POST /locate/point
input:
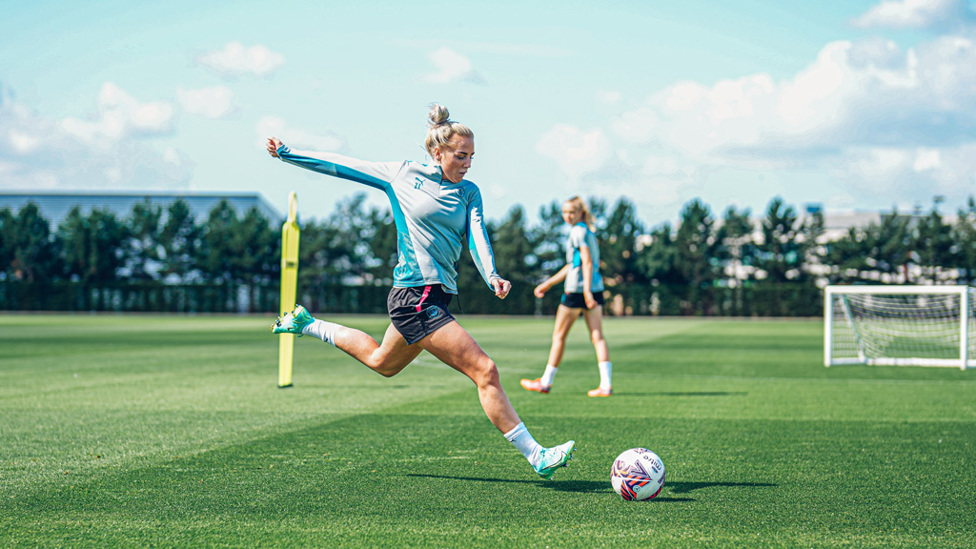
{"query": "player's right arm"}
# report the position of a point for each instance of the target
(374, 174)
(541, 289)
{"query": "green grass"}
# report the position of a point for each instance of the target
(143, 431)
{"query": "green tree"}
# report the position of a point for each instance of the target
(847, 255)
(179, 240)
(735, 250)
(890, 245)
(547, 240)
(256, 249)
(963, 234)
(383, 247)
(31, 249)
(215, 255)
(142, 251)
(7, 239)
(513, 250)
(695, 245)
(618, 244)
(933, 245)
(93, 245)
(657, 261)
(782, 253)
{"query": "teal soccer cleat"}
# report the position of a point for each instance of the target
(551, 459)
(293, 322)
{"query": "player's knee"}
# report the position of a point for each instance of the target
(486, 373)
(387, 371)
(386, 367)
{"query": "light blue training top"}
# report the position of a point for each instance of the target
(581, 236)
(433, 216)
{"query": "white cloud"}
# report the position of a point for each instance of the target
(215, 102)
(112, 150)
(451, 67)
(917, 14)
(853, 94)
(236, 60)
(920, 172)
(637, 126)
(577, 152)
(927, 160)
(609, 97)
(271, 126)
(879, 122)
(120, 116)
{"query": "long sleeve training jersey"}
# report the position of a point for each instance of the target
(433, 216)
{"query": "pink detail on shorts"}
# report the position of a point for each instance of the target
(423, 297)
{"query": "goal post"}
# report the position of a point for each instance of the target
(900, 325)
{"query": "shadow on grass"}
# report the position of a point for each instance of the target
(595, 487)
(685, 487)
(684, 394)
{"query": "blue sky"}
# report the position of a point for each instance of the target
(856, 105)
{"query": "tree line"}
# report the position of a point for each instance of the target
(738, 264)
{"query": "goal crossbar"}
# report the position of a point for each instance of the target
(900, 325)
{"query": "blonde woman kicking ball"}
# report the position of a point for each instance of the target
(435, 210)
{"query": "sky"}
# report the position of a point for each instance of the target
(855, 105)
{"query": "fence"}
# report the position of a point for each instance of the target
(644, 300)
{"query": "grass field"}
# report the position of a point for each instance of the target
(144, 431)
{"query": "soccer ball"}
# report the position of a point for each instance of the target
(637, 474)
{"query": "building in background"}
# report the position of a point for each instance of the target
(55, 206)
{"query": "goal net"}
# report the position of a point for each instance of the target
(900, 325)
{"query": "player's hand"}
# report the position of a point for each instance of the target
(589, 299)
(540, 291)
(502, 287)
(273, 145)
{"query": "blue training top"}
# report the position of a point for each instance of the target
(581, 236)
(433, 215)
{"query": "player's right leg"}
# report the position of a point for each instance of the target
(565, 317)
(292, 322)
(386, 358)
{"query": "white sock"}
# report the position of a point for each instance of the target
(322, 330)
(522, 439)
(546, 378)
(605, 369)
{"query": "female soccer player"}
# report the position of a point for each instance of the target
(583, 293)
(434, 209)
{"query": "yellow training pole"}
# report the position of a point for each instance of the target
(289, 283)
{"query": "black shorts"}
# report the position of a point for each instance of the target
(419, 311)
(576, 301)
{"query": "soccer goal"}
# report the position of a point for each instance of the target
(899, 325)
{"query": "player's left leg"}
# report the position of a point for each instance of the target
(454, 346)
(594, 321)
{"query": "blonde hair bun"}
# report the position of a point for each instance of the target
(438, 114)
(440, 129)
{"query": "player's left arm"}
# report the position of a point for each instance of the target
(480, 246)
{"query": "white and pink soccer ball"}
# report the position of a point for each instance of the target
(637, 474)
